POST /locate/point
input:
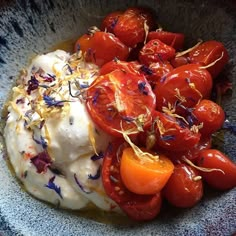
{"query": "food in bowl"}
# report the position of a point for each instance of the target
(122, 122)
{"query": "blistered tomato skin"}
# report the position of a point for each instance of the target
(209, 52)
(222, 179)
(110, 21)
(101, 47)
(155, 71)
(175, 40)
(185, 85)
(156, 51)
(184, 188)
(170, 135)
(210, 114)
(130, 28)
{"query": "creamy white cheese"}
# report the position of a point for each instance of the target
(50, 137)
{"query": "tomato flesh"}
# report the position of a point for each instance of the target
(144, 176)
(118, 101)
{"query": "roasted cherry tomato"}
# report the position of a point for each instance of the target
(101, 47)
(172, 134)
(130, 28)
(120, 101)
(156, 51)
(183, 87)
(207, 53)
(184, 188)
(143, 175)
(210, 114)
(138, 207)
(225, 177)
(155, 71)
(129, 67)
(175, 40)
(191, 154)
(110, 21)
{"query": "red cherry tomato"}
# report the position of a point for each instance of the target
(184, 189)
(155, 71)
(138, 207)
(110, 21)
(129, 67)
(119, 101)
(212, 158)
(210, 114)
(156, 51)
(130, 28)
(185, 85)
(209, 52)
(175, 40)
(190, 154)
(101, 47)
(171, 135)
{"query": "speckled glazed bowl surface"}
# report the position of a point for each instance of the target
(29, 27)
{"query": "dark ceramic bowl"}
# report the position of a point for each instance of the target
(29, 27)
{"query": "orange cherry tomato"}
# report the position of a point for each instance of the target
(136, 206)
(209, 52)
(210, 114)
(155, 51)
(110, 21)
(101, 47)
(142, 175)
(175, 40)
(184, 189)
(213, 158)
